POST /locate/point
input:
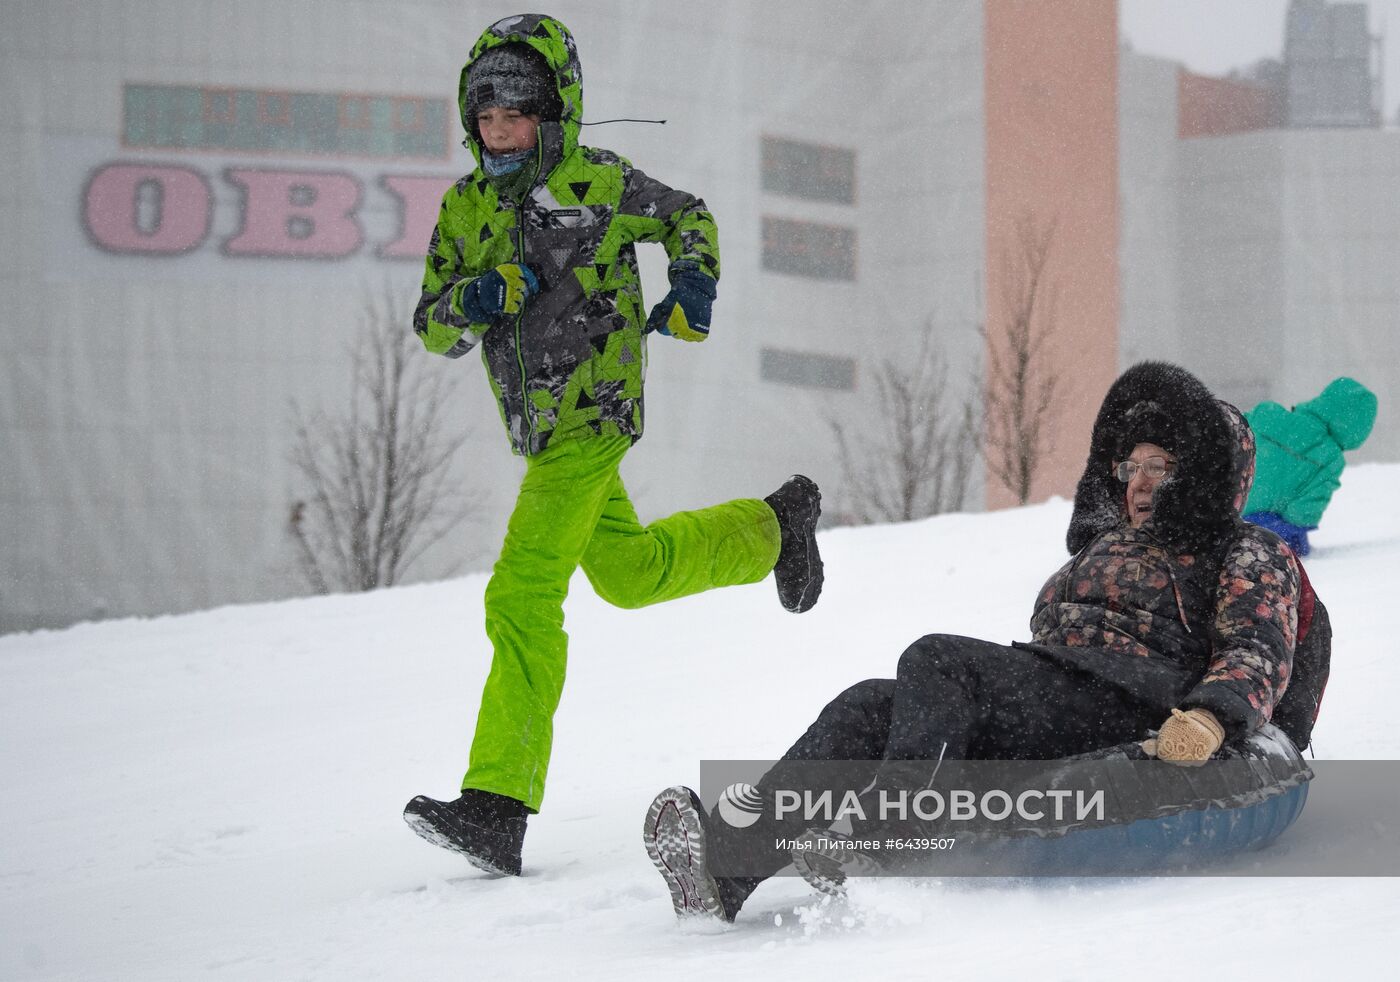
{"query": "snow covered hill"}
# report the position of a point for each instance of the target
(217, 795)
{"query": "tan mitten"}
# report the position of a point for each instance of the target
(1192, 735)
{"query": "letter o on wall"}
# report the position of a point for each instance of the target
(147, 208)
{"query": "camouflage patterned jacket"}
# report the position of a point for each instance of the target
(571, 364)
(1196, 607)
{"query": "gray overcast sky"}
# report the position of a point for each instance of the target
(1213, 36)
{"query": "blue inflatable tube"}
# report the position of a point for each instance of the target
(1183, 841)
(1165, 817)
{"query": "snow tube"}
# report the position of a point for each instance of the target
(1165, 817)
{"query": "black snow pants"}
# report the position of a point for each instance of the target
(953, 698)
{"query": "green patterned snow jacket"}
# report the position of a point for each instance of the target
(571, 363)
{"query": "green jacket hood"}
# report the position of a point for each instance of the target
(1348, 410)
(552, 40)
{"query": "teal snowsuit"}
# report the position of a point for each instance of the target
(567, 372)
(1300, 460)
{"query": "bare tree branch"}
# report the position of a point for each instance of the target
(917, 459)
(377, 479)
(1021, 390)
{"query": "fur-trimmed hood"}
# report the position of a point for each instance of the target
(1198, 506)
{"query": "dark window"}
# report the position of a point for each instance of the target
(802, 368)
(809, 170)
(824, 252)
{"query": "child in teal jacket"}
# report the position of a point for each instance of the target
(1299, 461)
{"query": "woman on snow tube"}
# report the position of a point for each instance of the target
(1172, 613)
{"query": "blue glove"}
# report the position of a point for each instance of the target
(501, 291)
(685, 311)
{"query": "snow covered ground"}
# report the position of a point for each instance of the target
(217, 795)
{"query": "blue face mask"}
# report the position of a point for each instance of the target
(497, 165)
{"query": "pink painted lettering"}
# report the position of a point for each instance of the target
(146, 208)
(421, 197)
(296, 213)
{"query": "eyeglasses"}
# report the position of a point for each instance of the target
(1154, 467)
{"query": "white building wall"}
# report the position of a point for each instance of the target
(912, 109)
(1291, 266)
(1284, 272)
(1266, 262)
(1148, 181)
(927, 193)
(1231, 293)
(144, 407)
(1341, 253)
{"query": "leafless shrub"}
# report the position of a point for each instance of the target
(917, 458)
(1021, 390)
(376, 472)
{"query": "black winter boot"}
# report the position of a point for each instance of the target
(798, 572)
(487, 828)
(675, 836)
(826, 860)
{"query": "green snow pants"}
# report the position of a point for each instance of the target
(572, 510)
